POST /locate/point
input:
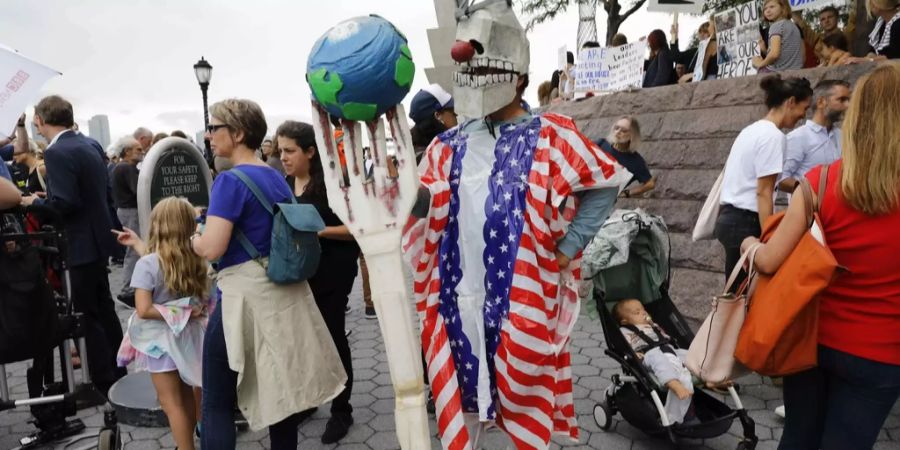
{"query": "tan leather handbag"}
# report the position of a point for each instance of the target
(711, 354)
(709, 213)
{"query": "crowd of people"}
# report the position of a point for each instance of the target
(160, 274)
(786, 42)
(210, 345)
(167, 269)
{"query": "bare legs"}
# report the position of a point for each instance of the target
(180, 403)
(678, 389)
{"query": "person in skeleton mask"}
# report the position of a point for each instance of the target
(508, 201)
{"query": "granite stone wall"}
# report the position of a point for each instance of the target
(688, 131)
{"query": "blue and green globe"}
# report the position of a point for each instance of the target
(360, 68)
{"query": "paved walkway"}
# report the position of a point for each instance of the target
(373, 403)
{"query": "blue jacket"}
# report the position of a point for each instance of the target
(78, 188)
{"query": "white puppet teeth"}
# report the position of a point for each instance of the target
(467, 75)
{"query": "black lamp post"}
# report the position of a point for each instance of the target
(203, 71)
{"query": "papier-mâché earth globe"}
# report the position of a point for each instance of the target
(360, 68)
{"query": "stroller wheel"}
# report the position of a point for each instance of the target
(603, 416)
(108, 439)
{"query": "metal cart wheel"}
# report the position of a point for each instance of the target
(603, 416)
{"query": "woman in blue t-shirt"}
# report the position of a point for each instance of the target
(279, 359)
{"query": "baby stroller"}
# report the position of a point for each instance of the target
(629, 258)
(33, 320)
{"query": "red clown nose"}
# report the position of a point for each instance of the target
(462, 51)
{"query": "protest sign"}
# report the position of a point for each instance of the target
(610, 69)
(737, 35)
(677, 6)
(699, 67)
(799, 5)
(21, 80)
(561, 58)
(590, 71)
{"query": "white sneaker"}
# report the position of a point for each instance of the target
(779, 411)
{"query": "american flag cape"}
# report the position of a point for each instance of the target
(530, 306)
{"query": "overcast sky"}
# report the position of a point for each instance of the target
(132, 59)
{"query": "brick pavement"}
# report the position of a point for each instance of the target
(373, 403)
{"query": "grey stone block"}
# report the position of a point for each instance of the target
(358, 434)
(362, 374)
(609, 441)
(383, 439)
(149, 444)
(383, 392)
(384, 406)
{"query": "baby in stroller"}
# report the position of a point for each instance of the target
(658, 352)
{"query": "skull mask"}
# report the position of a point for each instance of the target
(491, 51)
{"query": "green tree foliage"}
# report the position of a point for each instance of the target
(540, 11)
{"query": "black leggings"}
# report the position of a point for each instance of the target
(733, 226)
(331, 304)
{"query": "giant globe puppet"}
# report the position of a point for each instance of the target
(495, 199)
(358, 72)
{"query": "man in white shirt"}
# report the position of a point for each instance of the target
(817, 142)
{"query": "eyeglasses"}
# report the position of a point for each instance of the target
(213, 128)
(622, 129)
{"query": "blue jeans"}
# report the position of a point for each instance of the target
(841, 404)
(220, 397)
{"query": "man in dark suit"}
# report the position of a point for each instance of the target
(78, 188)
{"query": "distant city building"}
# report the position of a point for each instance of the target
(98, 128)
(34, 134)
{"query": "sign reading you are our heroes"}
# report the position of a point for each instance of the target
(737, 35)
(610, 69)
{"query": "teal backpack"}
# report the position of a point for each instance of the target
(295, 250)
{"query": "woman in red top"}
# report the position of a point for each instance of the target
(844, 402)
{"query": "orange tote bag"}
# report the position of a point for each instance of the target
(780, 334)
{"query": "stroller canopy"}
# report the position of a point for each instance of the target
(629, 257)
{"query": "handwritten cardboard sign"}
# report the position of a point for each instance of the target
(610, 69)
(799, 5)
(676, 6)
(737, 35)
(699, 67)
(561, 58)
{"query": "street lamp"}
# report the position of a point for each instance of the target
(203, 71)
